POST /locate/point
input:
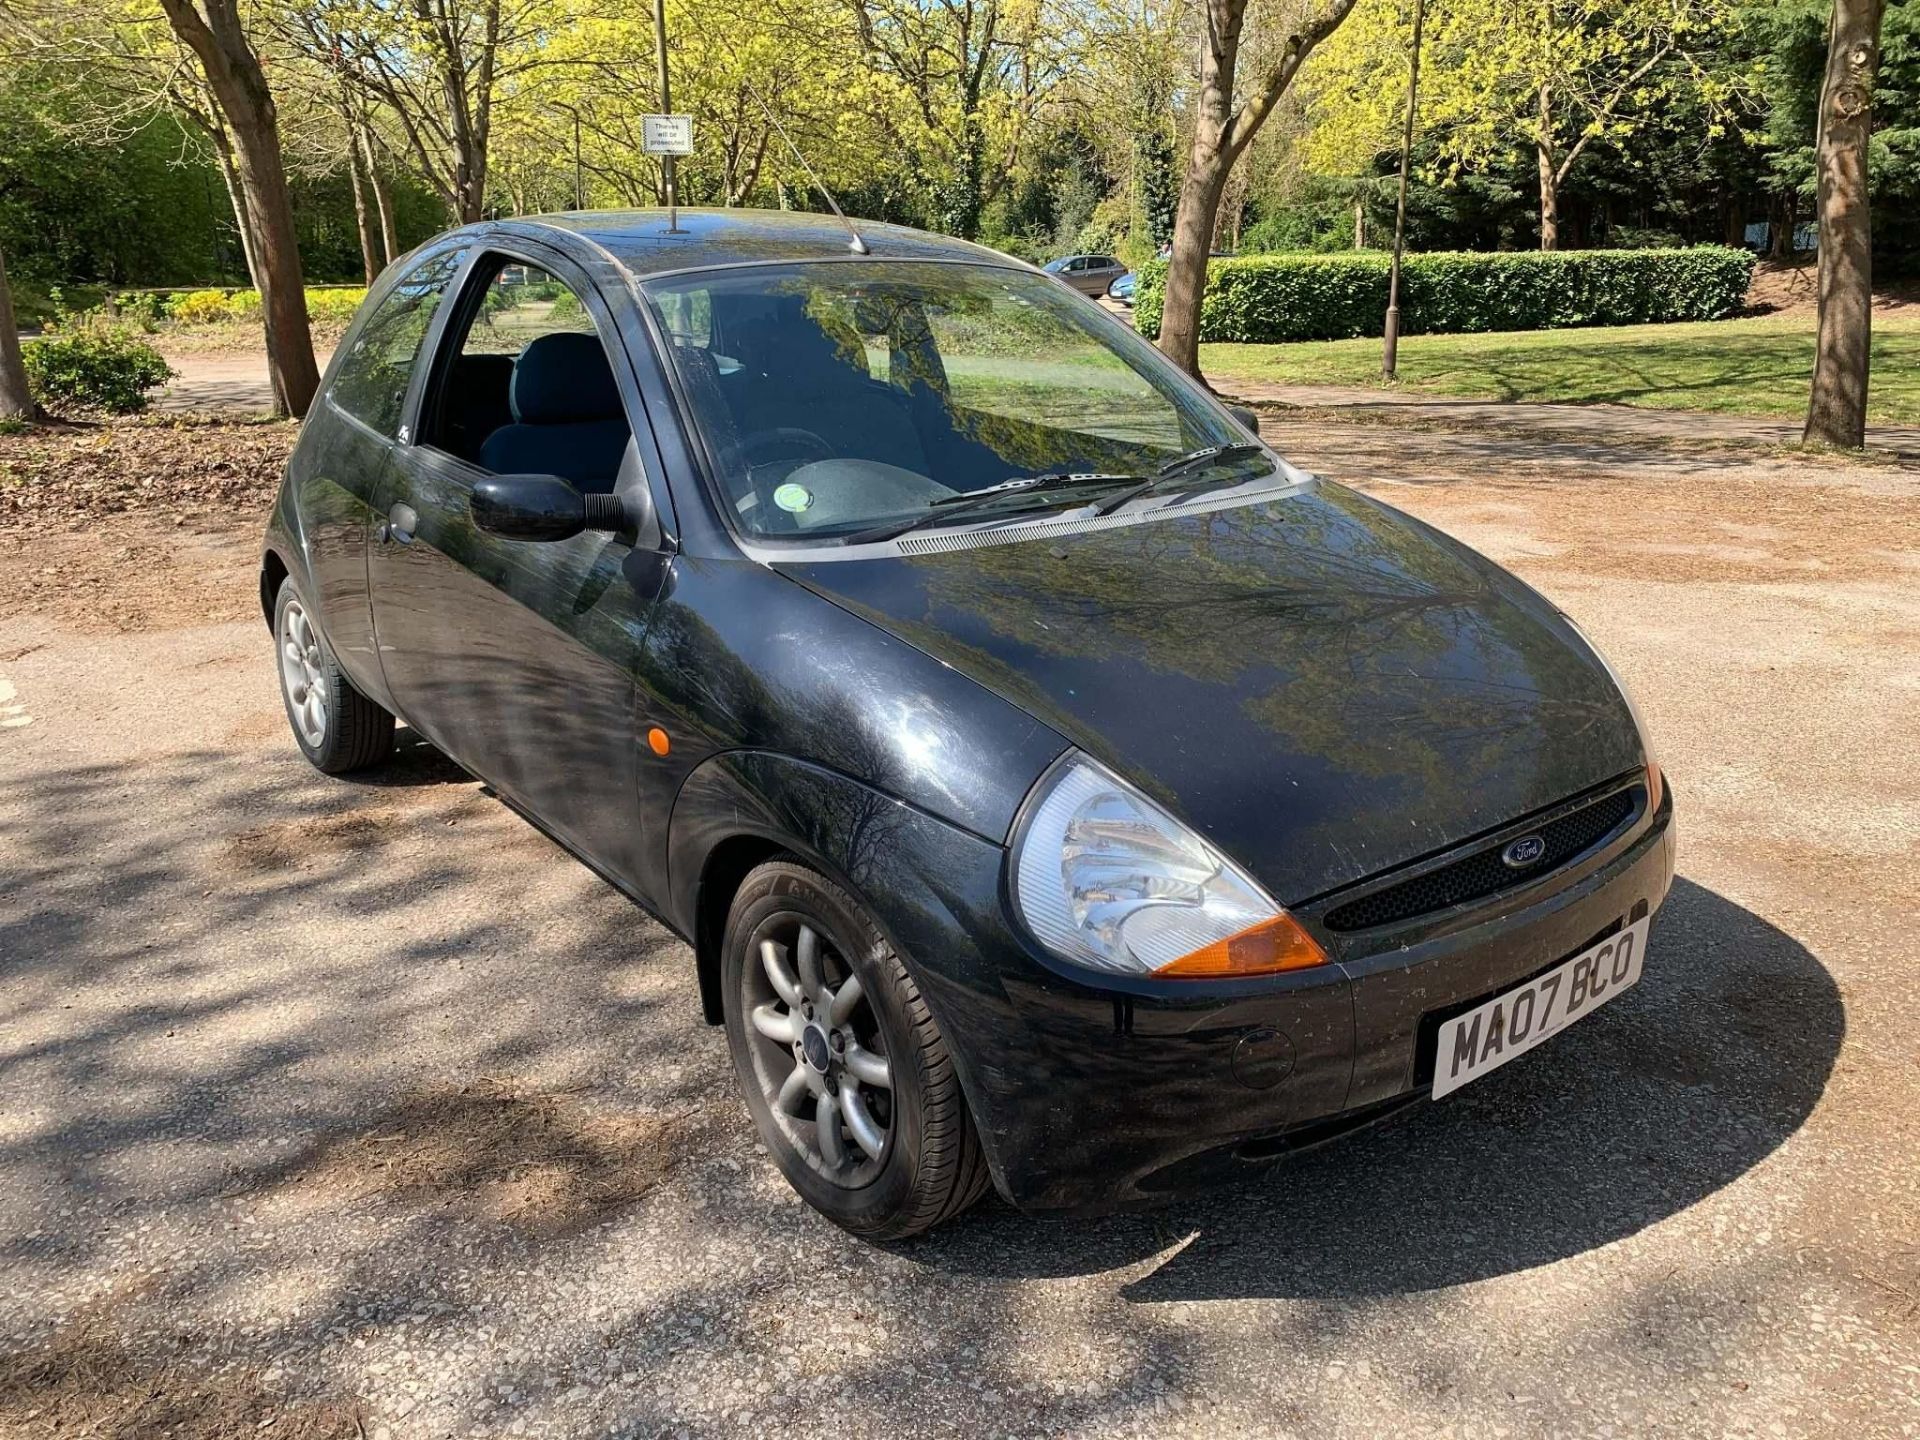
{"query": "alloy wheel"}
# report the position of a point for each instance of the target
(302, 675)
(817, 1053)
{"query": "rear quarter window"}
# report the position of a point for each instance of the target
(371, 383)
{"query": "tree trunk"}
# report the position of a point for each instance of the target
(16, 402)
(1209, 162)
(1837, 408)
(362, 221)
(1220, 134)
(1359, 219)
(382, 198)
(1549, 178)
(219, 41)
(362, 218)
(1187, 267)
(1786, 219)
(1733, 219)
(242, 225)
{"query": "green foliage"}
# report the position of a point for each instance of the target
(1156, 184)
(334, 305)
(329, 306)
(98, 367)
(198, 307)
(142, 309)
(1315, 229)
(1268, 298)
(133, 210)
(1075, 194)
(1106, 232)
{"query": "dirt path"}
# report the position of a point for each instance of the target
(361, 1107)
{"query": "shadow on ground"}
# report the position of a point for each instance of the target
(342, 1065)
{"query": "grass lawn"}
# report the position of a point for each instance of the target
(1759, 367)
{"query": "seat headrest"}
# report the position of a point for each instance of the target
(562, 379)
(776, 337)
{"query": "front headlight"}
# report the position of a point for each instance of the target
(1105, 878)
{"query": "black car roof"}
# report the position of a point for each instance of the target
(640, 239)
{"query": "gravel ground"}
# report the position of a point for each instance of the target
(358, 1108)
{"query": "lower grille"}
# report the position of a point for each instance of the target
(1484, 873)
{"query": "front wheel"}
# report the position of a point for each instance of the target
(336, 727)
(844, 1070)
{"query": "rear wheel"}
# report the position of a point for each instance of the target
(844, 1070)
(336, 727)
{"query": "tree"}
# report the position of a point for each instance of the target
(1553, 76)
(1223, 127)
(1837, 408)
(16, 401)
(437, 66)
(234, 75)
(972, 74)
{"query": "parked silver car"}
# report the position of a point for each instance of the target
(1089, 274)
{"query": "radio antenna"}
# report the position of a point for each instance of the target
(856, 244)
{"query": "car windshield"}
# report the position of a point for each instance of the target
(840, 396)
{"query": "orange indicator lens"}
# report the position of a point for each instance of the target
(1263, 949)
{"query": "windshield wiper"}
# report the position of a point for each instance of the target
(953, 507)
(1201, 459)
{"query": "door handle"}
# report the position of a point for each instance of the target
(401, 523)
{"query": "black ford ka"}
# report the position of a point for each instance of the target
(1056, 788)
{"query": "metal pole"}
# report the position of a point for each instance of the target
(579, 184)
(666, 108)
(1390, 359)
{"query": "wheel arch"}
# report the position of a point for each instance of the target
(726, 868)
(931, 888)
(273, 574)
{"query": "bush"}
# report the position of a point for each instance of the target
(1325, 231)
(1270, 298)
(139, 308)
(218, 307)
(198, 307)
(333, 306)
(100, 368)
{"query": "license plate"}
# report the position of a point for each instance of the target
(1509, 1025)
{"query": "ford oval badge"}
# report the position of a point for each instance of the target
(1525, 851)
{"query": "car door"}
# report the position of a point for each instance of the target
(342, 469)
(517, 657)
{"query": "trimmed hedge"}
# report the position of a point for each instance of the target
(1272, 298)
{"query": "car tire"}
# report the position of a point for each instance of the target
(929, 1166)
(335, 726)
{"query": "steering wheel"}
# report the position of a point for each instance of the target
(783, 441)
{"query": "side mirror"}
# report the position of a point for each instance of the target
(543, 507)
(1246, 417)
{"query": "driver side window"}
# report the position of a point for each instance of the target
(528, 387)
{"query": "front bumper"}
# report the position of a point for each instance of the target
(1090, 1098)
